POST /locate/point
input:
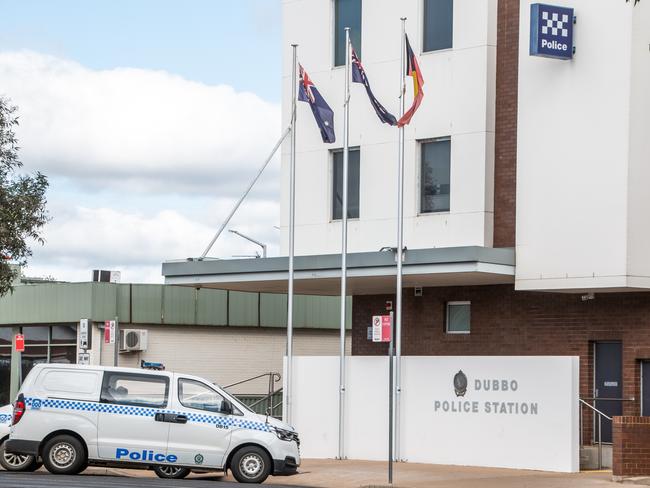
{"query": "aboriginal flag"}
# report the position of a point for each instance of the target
(307, 92)
(413, 70)
(359, 76)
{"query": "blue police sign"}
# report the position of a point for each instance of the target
(551, 31)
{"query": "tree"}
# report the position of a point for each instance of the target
(22, 201)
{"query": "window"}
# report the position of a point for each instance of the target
(353, 184)
(438, 24)
(347, 13)
(135, 389)
(48, 344)
(435, 176)
(458, 317)
(43, 344)
(5, 364)
(193, 394)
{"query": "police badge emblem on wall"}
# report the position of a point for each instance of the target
(460, 384)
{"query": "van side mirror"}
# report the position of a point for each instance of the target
(226, 407)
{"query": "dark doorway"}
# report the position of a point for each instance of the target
(608, 384)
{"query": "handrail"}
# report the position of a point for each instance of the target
(265, 397)
(600, 422)
(273, 378)
(276, 377)
(631, 399)
(595, 409)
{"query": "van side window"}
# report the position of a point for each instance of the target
(138, 390)
(193, 394)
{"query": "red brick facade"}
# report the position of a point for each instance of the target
(505, 160)
(631, 450)
(506, 322)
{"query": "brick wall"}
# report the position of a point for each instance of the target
(505, 322)
(505, 161)
(631, 449)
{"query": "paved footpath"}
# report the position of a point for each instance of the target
(356, 474)
(327, 474)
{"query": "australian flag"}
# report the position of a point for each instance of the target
(359, 76)
(323, 114)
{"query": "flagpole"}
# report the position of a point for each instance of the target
(344, 244)
(292, 228)
(400, 247)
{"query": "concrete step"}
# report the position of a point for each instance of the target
(589, 457)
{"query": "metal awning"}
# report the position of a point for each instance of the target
(369, 273)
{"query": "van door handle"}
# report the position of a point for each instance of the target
(171, 418)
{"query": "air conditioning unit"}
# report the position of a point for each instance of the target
(133, 340)
(105, 276)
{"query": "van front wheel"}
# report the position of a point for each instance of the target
(64, 454)
(251, 464)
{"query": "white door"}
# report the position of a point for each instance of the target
(130, 425)
(204, 439)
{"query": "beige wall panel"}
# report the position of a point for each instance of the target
(226, 355)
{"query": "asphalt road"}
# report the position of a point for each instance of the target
(44, 480)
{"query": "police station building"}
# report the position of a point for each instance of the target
(526, 226)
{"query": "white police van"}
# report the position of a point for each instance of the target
(9, 461)
(72, 416)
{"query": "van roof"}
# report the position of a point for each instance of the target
(100, 368)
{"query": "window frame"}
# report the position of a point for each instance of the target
(421, 142)
(332, 165)
(49, 344)
(424, 51)
(137, 376)
(458, 302)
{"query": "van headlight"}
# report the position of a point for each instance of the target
(285, 435)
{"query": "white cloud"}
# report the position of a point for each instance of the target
(158, 146)
(81, 239)
(138, 130)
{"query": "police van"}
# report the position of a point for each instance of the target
(73, 416)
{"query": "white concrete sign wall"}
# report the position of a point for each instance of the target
(497, 411)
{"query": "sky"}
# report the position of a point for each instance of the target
(149, 118)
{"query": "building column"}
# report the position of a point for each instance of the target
(16, 362)
(96, 343)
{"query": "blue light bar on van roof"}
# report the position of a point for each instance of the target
(151, 365)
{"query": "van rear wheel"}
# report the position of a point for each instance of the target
(251, 464)
(64, 454)
(171, 472)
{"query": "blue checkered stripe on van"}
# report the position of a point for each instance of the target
(230, 422)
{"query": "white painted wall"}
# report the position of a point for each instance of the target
(546, 441)
(638, 265)
(459, 102)
(583, 152)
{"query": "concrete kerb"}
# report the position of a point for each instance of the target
(633, 480)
